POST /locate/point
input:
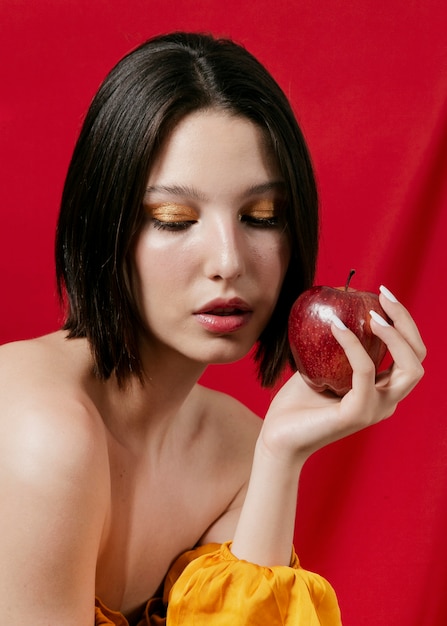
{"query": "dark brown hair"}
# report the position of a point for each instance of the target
(140, 101)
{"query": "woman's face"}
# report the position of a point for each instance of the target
(212, 254)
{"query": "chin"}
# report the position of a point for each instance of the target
(227, 354)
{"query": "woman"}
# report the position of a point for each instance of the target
(188, 226)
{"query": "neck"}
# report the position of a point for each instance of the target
(148, 409)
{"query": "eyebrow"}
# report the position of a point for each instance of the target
(177, 190)
(195, 194)
(274, 185)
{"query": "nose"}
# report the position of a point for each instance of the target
(225, 256)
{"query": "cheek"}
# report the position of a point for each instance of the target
(158, 266)
(274, 258)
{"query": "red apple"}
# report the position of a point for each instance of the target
(318, 356)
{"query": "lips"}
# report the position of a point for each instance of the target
(224, 316)
(225, 311)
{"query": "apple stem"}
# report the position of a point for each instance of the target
(351, 274)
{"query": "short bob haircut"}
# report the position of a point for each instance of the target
(142, 99)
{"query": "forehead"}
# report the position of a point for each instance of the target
(213, 148)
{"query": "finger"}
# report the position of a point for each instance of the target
(403, 322)
(407, 369)
(363, 369)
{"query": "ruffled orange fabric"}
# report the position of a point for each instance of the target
(209, 585)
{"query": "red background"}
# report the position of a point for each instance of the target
(368, 80)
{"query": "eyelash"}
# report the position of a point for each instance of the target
(174, 226)
(255, 222)
(260, 222)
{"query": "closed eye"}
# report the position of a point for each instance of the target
(180, 225)
(260, 222)
(171, 216)
(263, 213)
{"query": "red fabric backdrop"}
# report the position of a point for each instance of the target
(369, 82)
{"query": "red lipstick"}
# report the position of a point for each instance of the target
(222, 316)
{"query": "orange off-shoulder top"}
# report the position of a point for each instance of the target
(209, 586)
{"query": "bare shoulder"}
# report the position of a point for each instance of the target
(53, 479)
(234, 423)
(42, 394)
(44, 411)
(33, 359)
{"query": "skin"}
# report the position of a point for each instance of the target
(119, 482)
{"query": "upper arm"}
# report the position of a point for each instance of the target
(52, 517)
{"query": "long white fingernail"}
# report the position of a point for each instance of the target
(378, 318)
(387, 293)
(338, 323)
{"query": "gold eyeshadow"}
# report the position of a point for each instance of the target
(262, 209)
(171, 212)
